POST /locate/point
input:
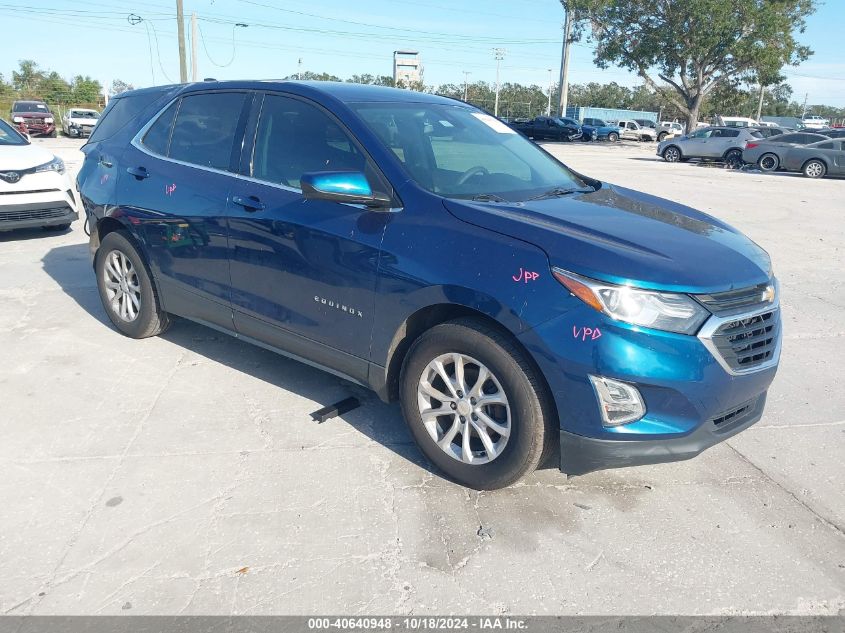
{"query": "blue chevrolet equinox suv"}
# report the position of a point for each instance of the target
(416, 245)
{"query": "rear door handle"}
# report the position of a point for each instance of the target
(104, 162)
(139, 172)
(249, 203)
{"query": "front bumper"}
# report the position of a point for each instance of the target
(41, 199)
(39, 129)
(80, 131)
(685, 386)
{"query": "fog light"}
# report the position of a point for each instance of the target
(620, 403)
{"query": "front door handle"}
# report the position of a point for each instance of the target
(139, 172)
(249, 203)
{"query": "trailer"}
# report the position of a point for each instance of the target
(610, 115)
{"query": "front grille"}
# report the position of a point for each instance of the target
(736, 416)
(741, 300)
(748, 342)
(33, 214)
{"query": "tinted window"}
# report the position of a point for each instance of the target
(790, 138)
(295, 138)
(204, 132)
(119, 112)
(727, 133)
(157, 138)
(702, 133)
(825, 145)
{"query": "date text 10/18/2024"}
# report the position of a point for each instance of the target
(430, 623)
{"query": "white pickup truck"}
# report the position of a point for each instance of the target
(634, 131)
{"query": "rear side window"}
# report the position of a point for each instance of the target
(157, 138)
(204, 132)
(826, 146)
(119, 112)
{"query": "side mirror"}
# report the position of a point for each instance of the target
(350, 187)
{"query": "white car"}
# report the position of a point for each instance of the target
(634, 131)
(815, 122)
(668, 129)
(79, 122)
(34, 188)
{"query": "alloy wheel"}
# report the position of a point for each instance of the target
(464, 408)
(814, 169)
(671, 155)
(123, 289)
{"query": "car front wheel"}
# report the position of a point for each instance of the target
(613, 137)
(671, 154)
(814, 168)
(475, 405)
(126, 288)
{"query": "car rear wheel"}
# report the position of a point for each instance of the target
(768, 162)
(733, 157)
(126, 288)
(662, 137)
(671, 154)
(814, 168)
(475, 405)
(613, 137)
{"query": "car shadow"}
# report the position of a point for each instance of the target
(20, 235)
(69, 266)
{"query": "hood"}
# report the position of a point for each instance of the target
(623, 236)
(20, 157)
(33, 115)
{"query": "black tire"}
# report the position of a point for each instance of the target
(57, 227)
(733, 157)
(661, 137)
(814, 168)
(768, 162)
(613, 137)
(672, 154)
(150, 320)
(532, 432)
(54, 134)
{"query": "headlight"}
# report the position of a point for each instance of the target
(659, 310)
(57, 165)
(48, 119)
(17, 119)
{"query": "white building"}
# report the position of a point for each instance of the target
(407, 67)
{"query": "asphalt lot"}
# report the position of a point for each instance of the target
(183, 474)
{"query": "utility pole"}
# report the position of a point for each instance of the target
(500, 55)
(804, 107)
(549, 107)
(760, 103)
(194, 71)
(467, 73)
(299, 69)
(564, 61)
(180, 30)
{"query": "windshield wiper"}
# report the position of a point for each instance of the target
(488, 197)
(558, 191)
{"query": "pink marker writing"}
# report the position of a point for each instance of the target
(525, 275)
(586, 332)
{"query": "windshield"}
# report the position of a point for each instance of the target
(458, 152)
(29, 106)
(8, 136)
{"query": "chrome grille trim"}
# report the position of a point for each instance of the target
(739, 300)
(735, 340)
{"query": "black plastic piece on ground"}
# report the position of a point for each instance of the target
(334, 410)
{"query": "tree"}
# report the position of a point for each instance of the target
(694, 46)
(28, 77)
(86, 90)
(118, 86)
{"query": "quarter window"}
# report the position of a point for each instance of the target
(157, 138)
(204, 132)
(295, 138)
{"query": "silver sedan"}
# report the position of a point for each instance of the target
(768, 154)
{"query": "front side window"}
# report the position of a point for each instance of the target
(296, 138)
(204, 131)
(702, 133)
(460, 152)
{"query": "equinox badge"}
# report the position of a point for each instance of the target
(339, 306)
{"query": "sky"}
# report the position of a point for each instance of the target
(341, 37)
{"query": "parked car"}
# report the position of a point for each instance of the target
(634, 131)
(546, 128)
(35, 116)
(420, 247)
(35, 191)
(668, 129)
(736, 121)
(826, 157)
(768, 153)
(788, 122)
(79, 122)
(815, 122)
(645, 123)
(596, 129)
(719, 143)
